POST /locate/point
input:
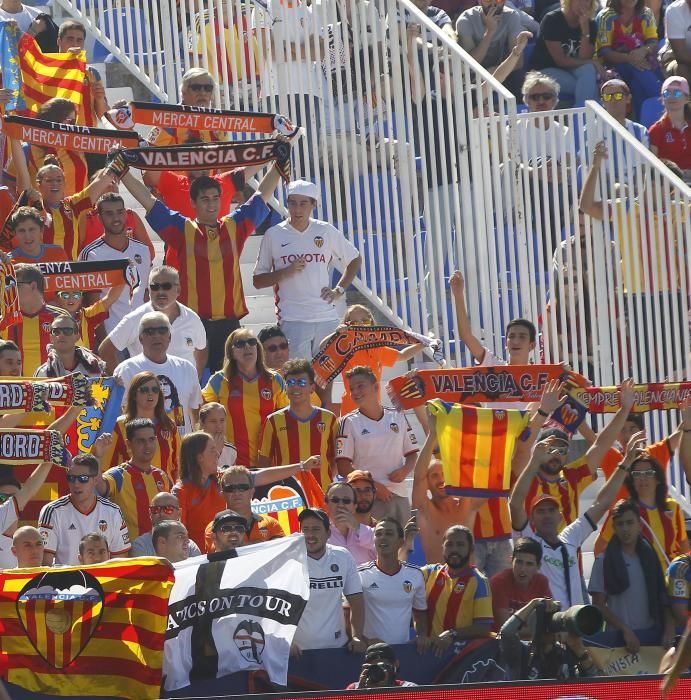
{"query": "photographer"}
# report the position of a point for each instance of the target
(546, 657)
(379, 669)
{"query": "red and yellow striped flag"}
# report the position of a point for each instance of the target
(93, 631)
(476, 446)
(48, 75)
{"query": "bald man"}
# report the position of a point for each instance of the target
(27, 546)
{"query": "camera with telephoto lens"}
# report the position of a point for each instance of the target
(379, 672)
(581, 620)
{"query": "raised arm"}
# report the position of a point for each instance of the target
(139, 191)
(21, 169)
(457, 284)
(424, 457)
(685, 444)
(31, 486)
(606, 437)
(587, 203)
(519, 515)
(510, 63)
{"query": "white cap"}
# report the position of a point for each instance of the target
(304, 188)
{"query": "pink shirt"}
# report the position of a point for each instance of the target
(360, 544)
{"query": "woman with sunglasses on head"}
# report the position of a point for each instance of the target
(662, 519)
(248, 390)
(376, 358)
(669, 136)
(198, 489)
(144, 399)
(627, 42)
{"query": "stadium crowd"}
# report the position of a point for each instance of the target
(214, 416)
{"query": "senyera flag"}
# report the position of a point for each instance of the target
(86, 631)
(476, 446)
(236, 611)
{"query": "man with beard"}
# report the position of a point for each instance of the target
(228, 531)
(115, 244)
(346, 531)
(363, 483)
(188, 339)
(459, 600)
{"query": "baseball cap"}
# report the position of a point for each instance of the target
(543, 498)
(360, 475)
(227, 516)
(555, 434)
(315, 513)
(304, 188)
(380, 652)
(683, 83)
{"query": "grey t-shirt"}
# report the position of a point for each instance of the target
(631, 606)
(143, 546)
(470, 29)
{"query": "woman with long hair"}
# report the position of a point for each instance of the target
(662, 520)
(144, 399)
(248, 390)
(627, 42)
(669, 135)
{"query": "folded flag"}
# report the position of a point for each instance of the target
(28, 446)
(568, 416)
(236, 611)
(9, 297)
(92, 631)
(71, 137)
(9, 65)
(329, 362)
(648, 397)
(476, 446)
(524, 383)
(209, 119)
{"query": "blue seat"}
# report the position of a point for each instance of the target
(380, 188)
(651, 111)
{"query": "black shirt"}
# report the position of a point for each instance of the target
(554, 27)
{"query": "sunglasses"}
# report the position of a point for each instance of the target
(198, 87)
(275, 348)
(338, 501)
(69, 295)
(541, 96)
(364, 322)
(232, 488)
(246, 342)
(227, 529)
(149, 389)
(165, 286)
(673, 93)
(81, 478)
(616, 96)
(63, 331)
(642, 473)
(167, 510)
(296, 382)
(156, 330)
(5, 497)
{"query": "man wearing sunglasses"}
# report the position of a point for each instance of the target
(65, 356)
(178, 377)
(188, 337)
(616, 99)
(228, 531)
(237, 485)
(163, 506)
(346, 531)
(63, 522)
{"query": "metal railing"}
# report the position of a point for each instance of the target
(426, 166)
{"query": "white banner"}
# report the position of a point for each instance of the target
(236, 614)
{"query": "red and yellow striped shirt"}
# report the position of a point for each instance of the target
(665, 530)
(208, 257)
(249, 402)
(64, 225)
(287, 439)
(453, 603)
(32, 336)
(493, 520)
(89, 320)
(133, 489)
(167, 453)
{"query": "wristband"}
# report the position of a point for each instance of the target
(339, 290)
(544, 414)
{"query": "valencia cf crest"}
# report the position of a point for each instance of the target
(266, 394)
(327, 363)
(459, 587)
(45, 327)
(407, 586)
(500, 414)
(318, 241)
(394, 427)
(321, 426)
(212, 233)
(414, 388)
(102, 525)
(60, 612)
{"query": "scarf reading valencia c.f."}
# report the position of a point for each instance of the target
(19, 446)
(209, 119)
(329, 362)
(206, 156)
(82, 139)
